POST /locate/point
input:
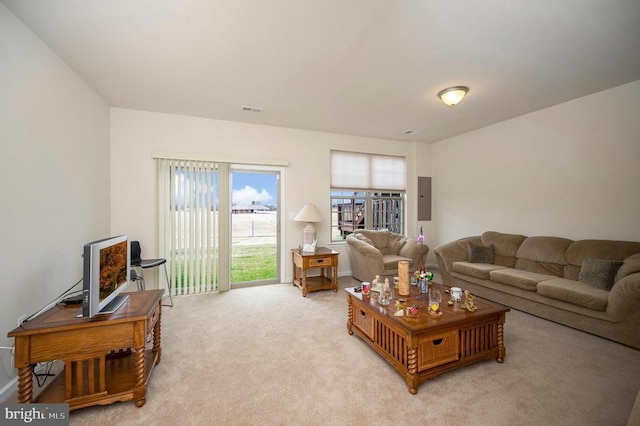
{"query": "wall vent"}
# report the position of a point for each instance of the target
(251, 109)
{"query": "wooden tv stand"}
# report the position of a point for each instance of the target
(105, 357)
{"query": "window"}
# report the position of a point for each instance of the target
(365, 210)
(367, 192)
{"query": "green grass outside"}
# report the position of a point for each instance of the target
(253, 262)
(248, 263)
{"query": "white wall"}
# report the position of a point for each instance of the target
(424, 167)
(571, 170)
(135, 135)
(54, 176)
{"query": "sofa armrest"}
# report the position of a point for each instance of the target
(631, 265)
(414, 251)
(624, 297)
(364, 249)
(454, 251)
(366, 260)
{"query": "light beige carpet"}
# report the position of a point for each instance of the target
(268, 356)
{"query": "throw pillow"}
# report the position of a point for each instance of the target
(480, 254)
(599, 273)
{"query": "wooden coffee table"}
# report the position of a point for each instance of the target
(424, 347)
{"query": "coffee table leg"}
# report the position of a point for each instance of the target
(412, 369)
(349, 316)
(156, 338)
(501, 349)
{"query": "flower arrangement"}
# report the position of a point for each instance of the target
(423, 274)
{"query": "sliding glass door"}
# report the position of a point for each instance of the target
(254, 226)
(218, 224)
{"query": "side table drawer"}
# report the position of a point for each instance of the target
(363, 321)
(320, 262)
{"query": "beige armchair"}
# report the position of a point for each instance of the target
(378, 252)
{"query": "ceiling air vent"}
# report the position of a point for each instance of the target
(251, 109)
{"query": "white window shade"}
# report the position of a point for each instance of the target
(370, 172)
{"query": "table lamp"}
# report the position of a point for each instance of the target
(309, 214)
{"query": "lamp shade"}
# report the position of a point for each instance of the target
(453, 95)
(308, 213)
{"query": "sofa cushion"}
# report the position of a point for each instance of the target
(379, 238)
(517, 278)
(599, 273)
(601, 249)
(480, 253)
(544, 249)
(597, 249)
(544, 255)
(574, 292)
(361, 237)
(396, 242)
(478, 270)
(554, 269)
(391, 261)
(505, 246)
(571, 272)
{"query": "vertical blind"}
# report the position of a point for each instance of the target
(367, 172)
(188, 223)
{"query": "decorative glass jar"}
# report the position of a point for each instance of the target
(385, 295)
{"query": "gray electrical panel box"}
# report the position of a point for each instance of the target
(424, 198)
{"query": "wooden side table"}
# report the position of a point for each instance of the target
(322, 258)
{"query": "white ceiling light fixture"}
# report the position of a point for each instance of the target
(451, 96)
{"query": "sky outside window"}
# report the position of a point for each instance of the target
(256, 188)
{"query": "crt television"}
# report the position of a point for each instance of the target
(106, 266)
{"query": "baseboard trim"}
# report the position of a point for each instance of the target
(9, 389)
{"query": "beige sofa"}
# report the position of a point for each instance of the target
(555, 278)
(378, 252)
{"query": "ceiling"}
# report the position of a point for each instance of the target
(357, 67)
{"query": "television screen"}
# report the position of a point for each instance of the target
(113, 268)
(106, 274)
